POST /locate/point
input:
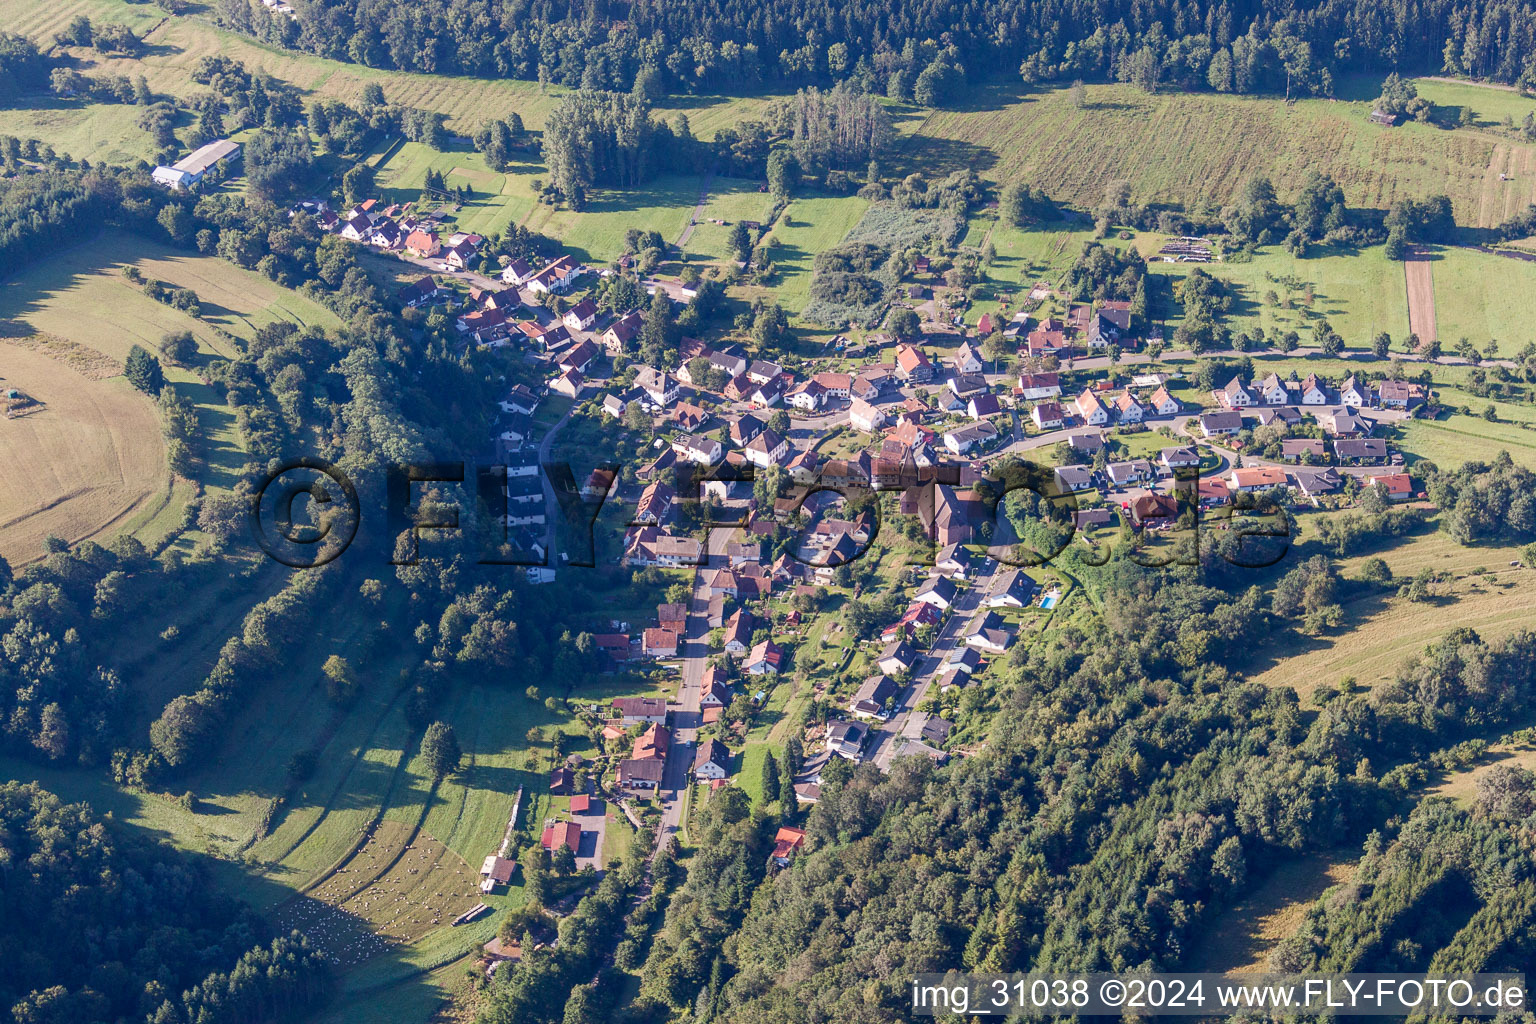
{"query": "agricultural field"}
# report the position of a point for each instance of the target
(1451, 440)
(730, 200)
(98, 132)
(1198, 149)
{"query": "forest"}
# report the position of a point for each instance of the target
(744, 45)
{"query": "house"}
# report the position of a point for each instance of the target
(712, 761)
(738, 632)
(1272, 390)
(1289, 415)
(912, 365)
(1072, 479)
(581, 316)
(621, 332)
(1183, 457)
(1399, 394)
(690, 417)
(965, 660)
(1086, 443)
(1314, 481)
(865, 386)
(1347, 424)
(544, 336)
(577, 357)
(652, 744)
(561, 780)
(1035, 386)
(863, 416)
(964, 439)
(786, 843)
(568, 383)
(936, 729)
(1128, 409)
(1154, 511)
(937, 591)
(761, 371)
(846, 739)
(1163, 404)
(897, 658)
(873, 696)
(705, 451)
(650, 546)
(1217, 424)
(1295, 449)
(713, 691)
(1111, 323)
(1211, 491)
(1399, 486)
(807, 396)
(954, 561)
(1092, 518)
(386, 234)
(1361, 451)
(558, 276)
(1235, 396)
(516, 273)
(646, 774)
(1134, 471)
(1044, 341)
(1354, 394)
(659, 386)
(655, 503)
(964, 385)
(561, 833)
(496, 871)
(988, 632)
(460, 255)
(422, 244)
(835, 384)
(520, 399)
(766, 449)
(982, 406)
(767, 658)
(418, 292)
(1091, 409)
(967, 359)
(357, 228)
(1256, 478)
(1018, 591)
(1313, 390)
(1047, 416)
(917, 615)
(659, 643)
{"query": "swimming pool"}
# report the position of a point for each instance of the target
(1047, 603)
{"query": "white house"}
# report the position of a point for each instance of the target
(1273, 390)
(1163, 403)
(1091, 409)
(581, 316)
(863, 416)
(967, 360)
(1047, 416)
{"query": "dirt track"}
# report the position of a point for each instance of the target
(1421, 296)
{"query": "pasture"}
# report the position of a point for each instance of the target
(1381, 629)
(809, 225)
(1360, 293)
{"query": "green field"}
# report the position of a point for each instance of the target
(1359, 293)
(809, 225)
(1483, 297)
(730, 200)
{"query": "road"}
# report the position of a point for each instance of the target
(908, 721)
(685, 711)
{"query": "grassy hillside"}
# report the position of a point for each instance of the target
(1200, 148)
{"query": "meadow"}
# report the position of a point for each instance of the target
(1381, 629)
(113, 475)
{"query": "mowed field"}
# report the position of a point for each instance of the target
(1381, 630)
(1239, 939)
(80, 466)
(1194, 148)
(92, 315)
